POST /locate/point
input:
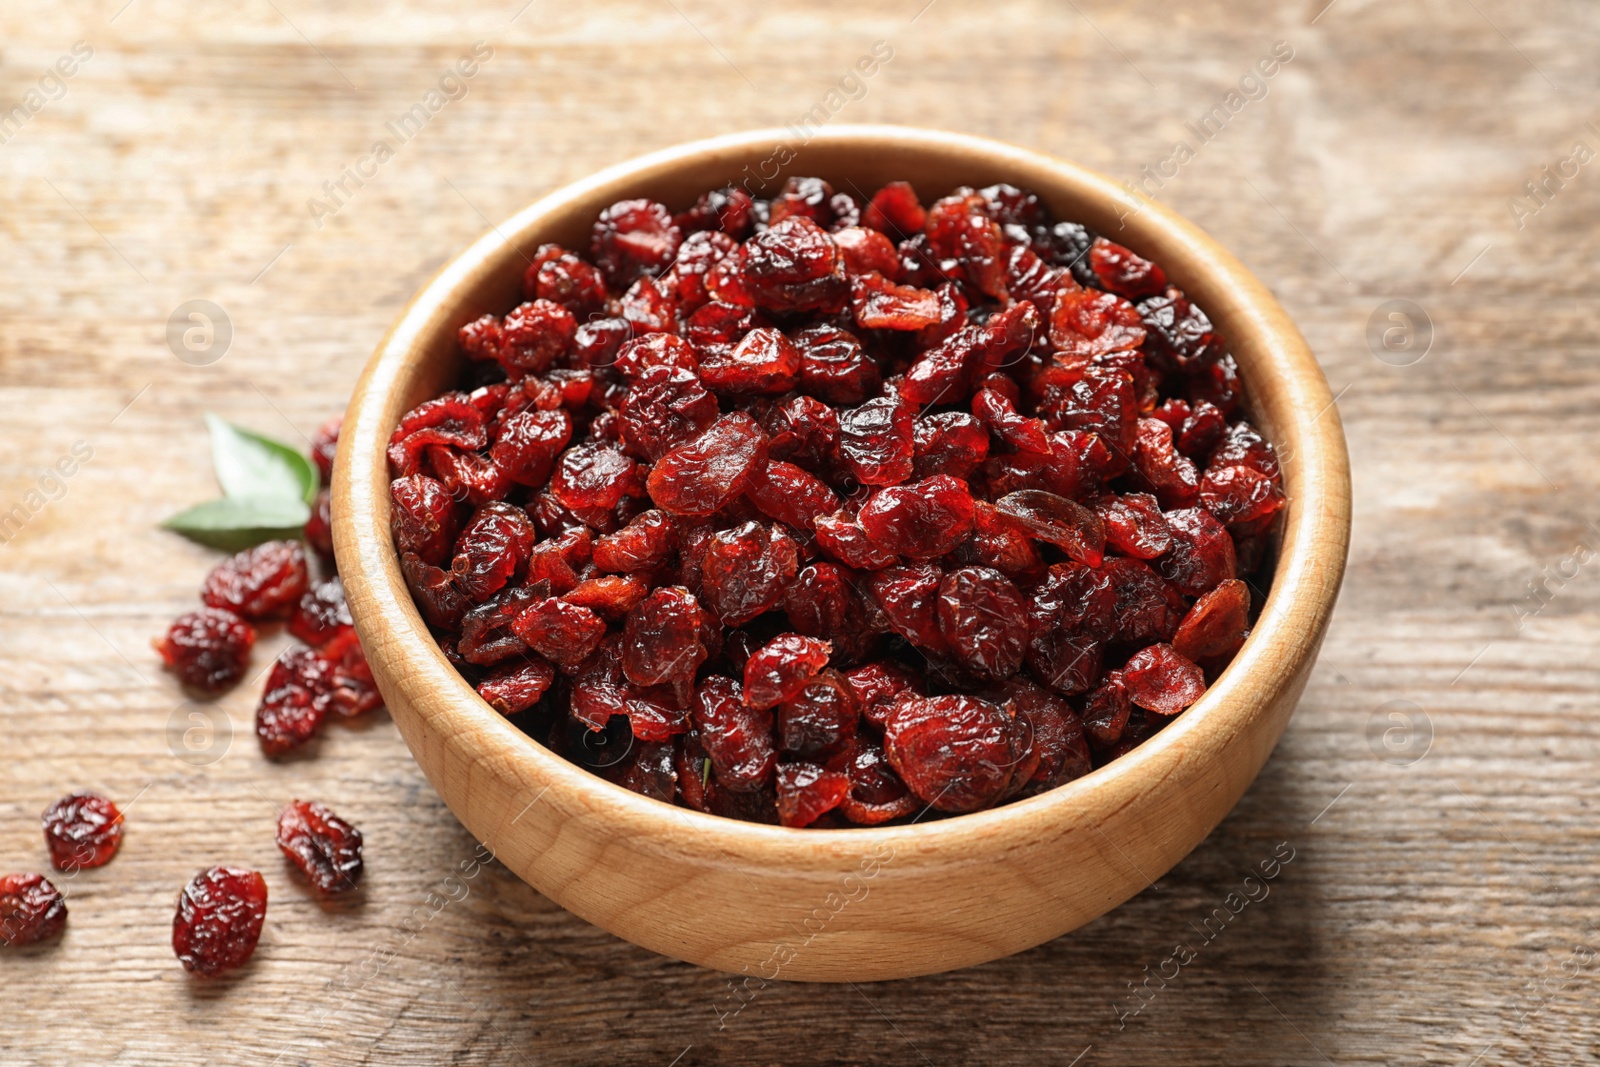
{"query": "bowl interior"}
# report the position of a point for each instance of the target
(1287, 398)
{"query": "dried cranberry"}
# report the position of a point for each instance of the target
(219, 919)
(633, 237)
(207, 649)
(746, 571)
(324, 444)
(764, 362)
(778, 670)
(1217, 624)
(794, 265)
(1077, 530)
(984, 620)
(737, 736)
(661, 641)
(562, 633)
(259, 582)
(954, 752)
(895, 210)
(699, 477)
(325, 847)
(1163, 680)
(516, 685)
(921, 520)
(423, 517)
(807, 791)
(82, 830)
(31, 910)
(296, 700)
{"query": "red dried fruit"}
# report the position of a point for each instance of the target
(661, 641)
(1054, 745)
(1087, 322)
(566, 280)
(318, 530)
(834, 367)
(423, 518)
(728, 210)
(352, 689)
(842, 537)
(260, 582)
(1065, 523)
(643, 545)
(876, 793)
(326, 848)
(207, 649)
(655, 350)
(950, 442)
(909, 598)
(562, 633)
(296, 700)
(1201, 556)
(954, 752)
(1217, 624)
(984, 620)
(922, 520)
(746, 571)
(486, 633)
(451, 420)
(1001, 542)
(895, 210)
(807, 197)
(792, 495)
(781, 668)
(763, 363)
(806, 792)
(879, 686)
(1147, 608)
(534, 335)
(324, 445)
(794, 265)
(700, 477)
(1123, 272)
(526, 445)
(666, 408)
(736, 736)
(82, 830)
(31, 910)
(592, 477)
(517, 685)
(880, 304)
(1134, 525)
(876, 442)
(436, 596)
(1237, 495)
(1162, 680)
(219, 919)
(632, 237)
(610, 596)
(999, 414)
(1169, 473)
(1106, 711)
(493, 548)
(865, 251)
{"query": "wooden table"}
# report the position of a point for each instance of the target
(1441, 901)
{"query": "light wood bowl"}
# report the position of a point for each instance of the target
(870, 903)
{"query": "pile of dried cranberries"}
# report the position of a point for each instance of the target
(822, 513)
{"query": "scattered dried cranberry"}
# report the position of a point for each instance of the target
(219, 919)
(325, 847)
(82, 830)
(825, 510)
(31, 910)
(296, 700)
(207, 649)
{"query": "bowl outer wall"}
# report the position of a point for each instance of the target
(869, 903)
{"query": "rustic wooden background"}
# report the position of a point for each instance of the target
(1441, 904)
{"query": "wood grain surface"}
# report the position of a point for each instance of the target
(1440, 904)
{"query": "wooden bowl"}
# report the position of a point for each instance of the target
(870, 903)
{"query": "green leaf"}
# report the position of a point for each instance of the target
(249, 465)
(235, 522)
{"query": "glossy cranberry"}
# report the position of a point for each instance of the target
(31, 910)
(219, 919)
(82, 830)
(207, 649)
(326, 848)
(260, 582)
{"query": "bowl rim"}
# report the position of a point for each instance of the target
(1305, 583)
